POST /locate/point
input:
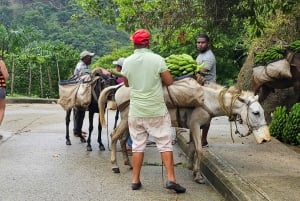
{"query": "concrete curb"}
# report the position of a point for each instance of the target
(10, 100)
(222, 176)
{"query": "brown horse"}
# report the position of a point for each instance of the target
(263, 90)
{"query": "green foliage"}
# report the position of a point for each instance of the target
(259, 13)
(278, 122)
(285, 126)
(174, 26)
(292, 127)
(106, 61)
(41, 41)
(55, 21)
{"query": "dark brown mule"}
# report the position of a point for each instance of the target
(263, 90)
(102, 82)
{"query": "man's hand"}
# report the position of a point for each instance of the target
(200, 78)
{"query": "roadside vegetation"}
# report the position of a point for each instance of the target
(41, 40)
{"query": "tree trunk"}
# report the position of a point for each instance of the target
(245, 74)
(41, 81)
(50, 82)
(30, 80)
(58, 73)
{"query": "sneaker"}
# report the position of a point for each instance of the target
(176, 187)
(136, 186)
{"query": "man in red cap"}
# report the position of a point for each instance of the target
(144, 73)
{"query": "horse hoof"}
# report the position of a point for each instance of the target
(102, 148)
(89, 148)
(200, 181)
(68, 142)
(83, 140)
(115, 170)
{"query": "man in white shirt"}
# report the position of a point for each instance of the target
(81, 68)
(85, 61)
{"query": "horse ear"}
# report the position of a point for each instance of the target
(243, 100)
(256, 97)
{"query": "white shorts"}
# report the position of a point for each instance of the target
(158, 127)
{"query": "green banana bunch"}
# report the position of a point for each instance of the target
(278, 122)
(295, 46)
(182, 64)
(292, 127)
(271, 54)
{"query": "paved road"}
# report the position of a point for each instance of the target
(36, 164)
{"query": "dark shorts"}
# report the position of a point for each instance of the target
(2, 93)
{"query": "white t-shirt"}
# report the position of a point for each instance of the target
(80, 68)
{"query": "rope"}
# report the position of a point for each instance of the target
(228, 112)
(107, 131)
(223, 107)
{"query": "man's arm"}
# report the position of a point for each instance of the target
(166, 78)
(126, 82)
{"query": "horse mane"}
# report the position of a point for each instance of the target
(232, 90)
(215, 86)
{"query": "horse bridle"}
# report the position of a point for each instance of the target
(251, 128)
(233, 117)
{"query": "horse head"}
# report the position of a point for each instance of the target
(100, 81)
(253, 115)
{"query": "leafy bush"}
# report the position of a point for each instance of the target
(285, 126)
(292, 127)
(278, 122)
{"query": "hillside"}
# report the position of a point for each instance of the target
(63, 21)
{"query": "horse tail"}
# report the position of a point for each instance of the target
(102, 100)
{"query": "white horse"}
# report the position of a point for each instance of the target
(217, 102)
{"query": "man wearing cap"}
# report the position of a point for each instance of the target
(80, 69)
(119, 64)
(144, 73)
(85, 61)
